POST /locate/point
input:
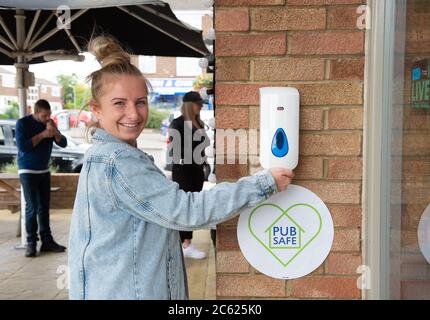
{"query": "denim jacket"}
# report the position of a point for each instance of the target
(124, 240)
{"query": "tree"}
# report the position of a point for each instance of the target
(71, 87)
(68, 82)
(12, 112)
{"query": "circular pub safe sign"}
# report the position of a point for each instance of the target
(424, 234)
(288, 236)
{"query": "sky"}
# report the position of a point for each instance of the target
(50, 70)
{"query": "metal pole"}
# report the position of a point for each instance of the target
(21, 65)
(21, 69)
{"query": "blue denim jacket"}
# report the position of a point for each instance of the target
(124, 240)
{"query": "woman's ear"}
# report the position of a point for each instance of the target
(95, 108)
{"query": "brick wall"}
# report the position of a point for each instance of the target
(315, 46)
(62, 199)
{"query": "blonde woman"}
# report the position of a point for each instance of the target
(124, 240)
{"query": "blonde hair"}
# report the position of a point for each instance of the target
(114, 61)
(188, 113)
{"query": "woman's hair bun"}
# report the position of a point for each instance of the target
(108, 51)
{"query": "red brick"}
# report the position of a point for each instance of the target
(226, 238)
(311, 119)
(231, 171)
(346, 216)
(232, 20)
(231, 262)
(330, 145)
(349, 118)
(327, 43)
(415, 289)
(345, 169)
(331, 94)
(254, 117)
(289, 19)
(343, 263)
(326, 287)
(335, 192)
(416, 144)
(220, 3)
(251, 45)
(347, 69)
(309, 168)
(232, 69)
(346, 240)
(231, 117)
(254, 286)
(342, 18)
(322, 2)
(237, 94)
(289, 69)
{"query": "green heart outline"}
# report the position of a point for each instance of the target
(286, 214)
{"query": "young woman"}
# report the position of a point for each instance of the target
(124, 239)
(190, 176)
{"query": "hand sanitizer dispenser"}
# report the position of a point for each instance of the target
(279, 127)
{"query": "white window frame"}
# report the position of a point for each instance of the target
(378, 172)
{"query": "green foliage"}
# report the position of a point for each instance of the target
(70, 88)
(155, 118)
(12, 112)
(204, 80)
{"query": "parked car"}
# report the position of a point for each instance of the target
(67, 159)
(207, 117)
(65, 119)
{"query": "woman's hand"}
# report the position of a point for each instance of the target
(282, 177)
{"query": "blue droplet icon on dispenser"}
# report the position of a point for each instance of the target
(280, 146)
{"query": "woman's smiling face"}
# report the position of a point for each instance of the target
(122, 109)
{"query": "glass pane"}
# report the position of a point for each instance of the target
(410, 150)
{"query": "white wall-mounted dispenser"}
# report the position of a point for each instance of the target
(279, 127)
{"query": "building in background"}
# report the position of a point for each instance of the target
(43, 89)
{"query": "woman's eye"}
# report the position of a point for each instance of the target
(141, 103)
(119, 103)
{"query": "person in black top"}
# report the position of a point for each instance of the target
(188, 142)
(35, 135)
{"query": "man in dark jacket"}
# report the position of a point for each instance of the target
(34, 137)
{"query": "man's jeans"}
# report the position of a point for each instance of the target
(37, 192)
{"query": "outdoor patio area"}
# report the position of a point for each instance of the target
(44, 277)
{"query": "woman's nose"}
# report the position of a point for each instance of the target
(132, 112)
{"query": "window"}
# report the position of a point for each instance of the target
(397, 152)
(148, 64)
(56, 91)
(188, 67)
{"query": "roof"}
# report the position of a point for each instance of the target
(46, 82)
(3, 70)
(38, 80)
(291, 219)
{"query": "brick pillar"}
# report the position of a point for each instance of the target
(315, 46)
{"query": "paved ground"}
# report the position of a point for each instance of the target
(44, 278)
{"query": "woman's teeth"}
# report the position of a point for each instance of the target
(129, 125)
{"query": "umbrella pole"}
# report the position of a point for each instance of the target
(21, 69)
